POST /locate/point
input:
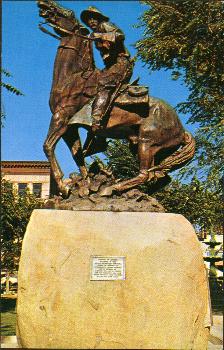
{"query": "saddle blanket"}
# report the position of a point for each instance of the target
(131, 95)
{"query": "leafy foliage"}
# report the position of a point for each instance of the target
(9, 87)
(15, 214)
(209, 156)
(187, 37)
(200, 205)
(121, 160)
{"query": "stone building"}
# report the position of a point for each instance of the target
(32, 175)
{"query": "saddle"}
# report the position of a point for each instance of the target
(133, 93)
(129, 94)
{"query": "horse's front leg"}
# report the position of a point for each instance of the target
(72, 140)
(58, 127)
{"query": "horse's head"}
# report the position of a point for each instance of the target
(59, 17)
(50, 10)
(75, 49)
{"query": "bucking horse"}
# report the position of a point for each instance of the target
(151, 126)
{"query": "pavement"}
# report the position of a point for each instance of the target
(9, 342)
(216, 333)
(215, 338)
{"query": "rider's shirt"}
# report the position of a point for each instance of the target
(111, 45)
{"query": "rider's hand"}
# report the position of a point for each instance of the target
(106, 44)
(96, 36)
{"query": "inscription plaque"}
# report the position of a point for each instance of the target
(107, 268)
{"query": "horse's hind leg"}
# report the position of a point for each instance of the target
(72, 140)
(147, 148)
(57, 128)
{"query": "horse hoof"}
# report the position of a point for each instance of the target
(66, 192)
(83, 192)
(106, 192)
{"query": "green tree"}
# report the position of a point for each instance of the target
(15, 214)
(200, 205)
(187, 37)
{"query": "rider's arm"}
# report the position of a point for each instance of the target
(109, 32)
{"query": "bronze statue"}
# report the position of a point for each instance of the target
(121, 111)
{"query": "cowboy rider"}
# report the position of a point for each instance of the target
(109, 40)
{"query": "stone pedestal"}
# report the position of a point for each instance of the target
(161, 304)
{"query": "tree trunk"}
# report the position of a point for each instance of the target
(7, 283)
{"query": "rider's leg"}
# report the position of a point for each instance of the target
(110, 78)
(100, 104)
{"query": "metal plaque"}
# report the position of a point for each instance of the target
(107, 268)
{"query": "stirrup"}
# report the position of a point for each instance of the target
(96, 127)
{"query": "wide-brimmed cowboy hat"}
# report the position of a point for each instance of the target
(86, 14)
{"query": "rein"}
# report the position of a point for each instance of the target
(63, 30)
(44, 30)
(67, 47)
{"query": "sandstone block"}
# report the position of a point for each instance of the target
(157, 299)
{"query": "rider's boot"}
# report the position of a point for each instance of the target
(100, 104)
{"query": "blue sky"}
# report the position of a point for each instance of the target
(29, 55)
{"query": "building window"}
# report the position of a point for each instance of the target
(22, 187)
(37, 188)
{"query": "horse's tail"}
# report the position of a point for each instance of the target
(176, 160)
